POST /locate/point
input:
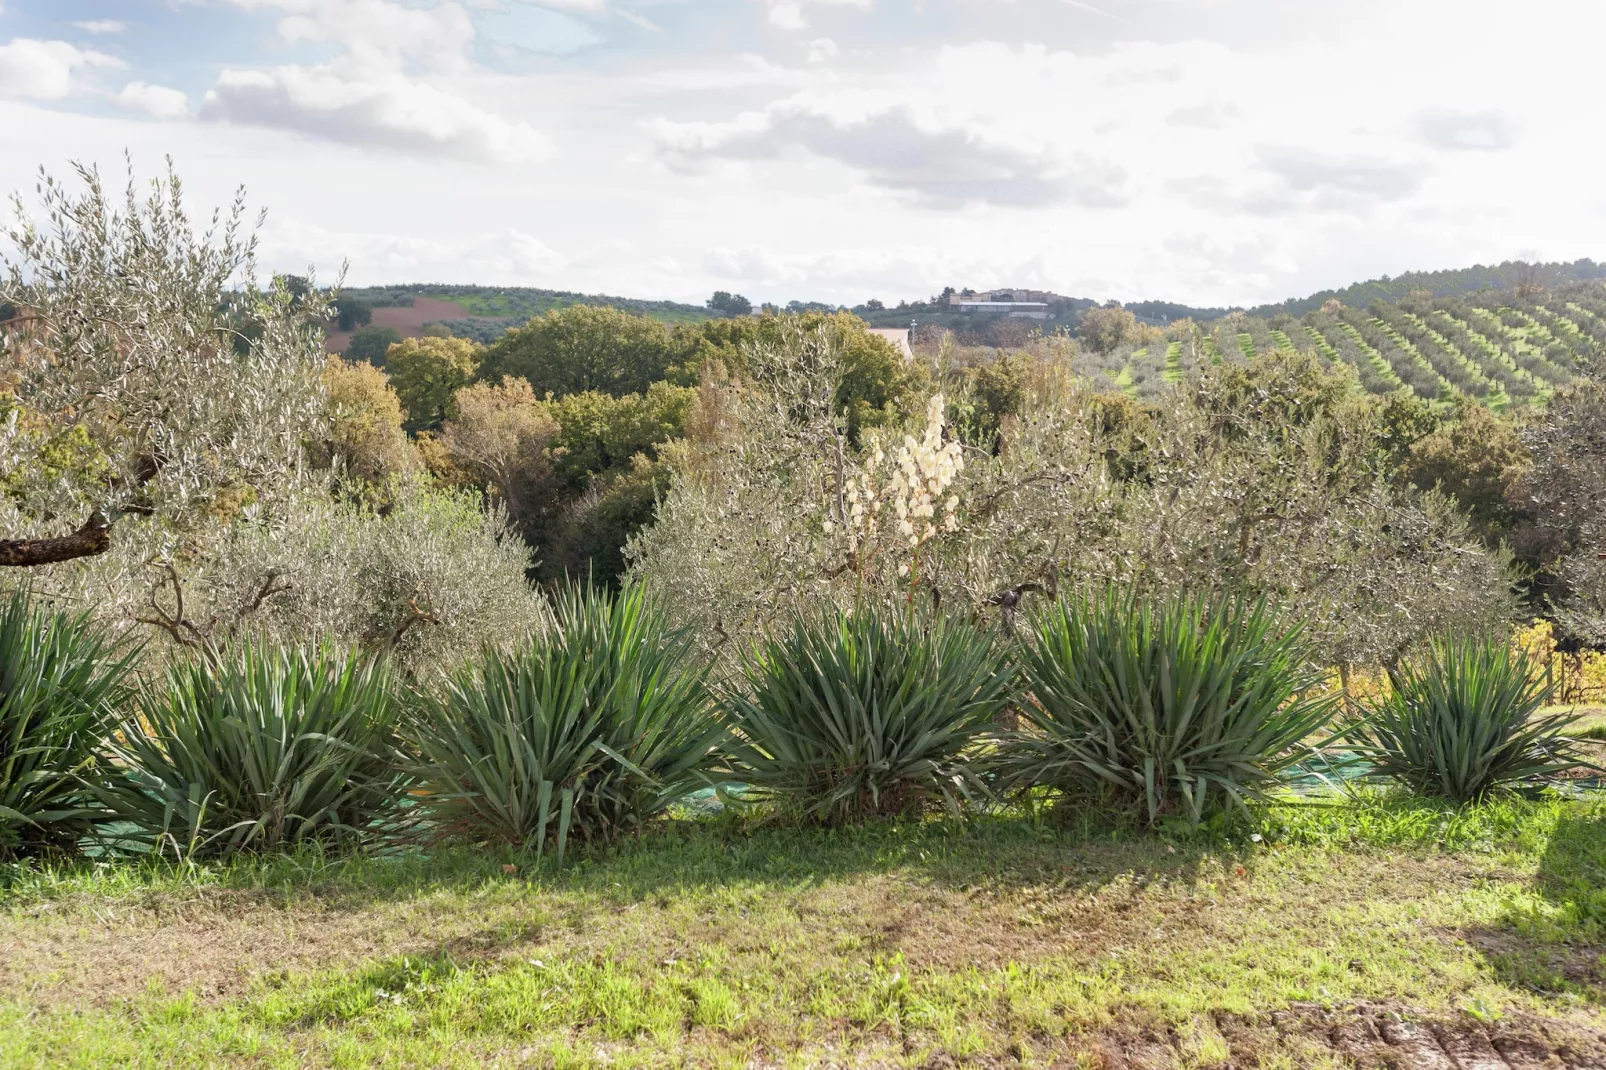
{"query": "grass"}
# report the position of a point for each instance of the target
(524, 304)
(1589, 722)
(1005, 941)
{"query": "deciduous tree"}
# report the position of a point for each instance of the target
(427, 372)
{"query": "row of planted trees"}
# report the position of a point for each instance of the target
(1175, 708)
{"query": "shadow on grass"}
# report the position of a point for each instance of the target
(1011, 849)
(1080, 847)
(1555, 943)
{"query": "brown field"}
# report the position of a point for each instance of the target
(408, 322)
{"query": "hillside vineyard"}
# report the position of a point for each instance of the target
(1498, 348)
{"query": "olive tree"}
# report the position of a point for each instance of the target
(147, 372)
(1564, 490)
(1265, 478)
(152, 384)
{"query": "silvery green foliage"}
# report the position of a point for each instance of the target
(151, 378)
(756, 528)
(128, 334)
(436, 578)
(1082, 492)
(1566, 492)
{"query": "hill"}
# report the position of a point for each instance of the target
(1502, 335)
(1511, 275)
(484, 312)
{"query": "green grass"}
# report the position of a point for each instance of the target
(526, 304)
(1005, 941)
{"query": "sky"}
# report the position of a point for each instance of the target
(1212, 152)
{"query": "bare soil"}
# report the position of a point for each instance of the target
(407, 322)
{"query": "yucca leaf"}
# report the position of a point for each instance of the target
(1463, 719)
(610, 711)
(1181, 705)
(845, 716)
(61, 682)
(257, 748)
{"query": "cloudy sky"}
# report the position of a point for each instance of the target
(1206, 151)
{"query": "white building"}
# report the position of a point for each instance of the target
(1001, 302)
(899, 337)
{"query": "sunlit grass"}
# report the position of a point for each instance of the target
(716, 943)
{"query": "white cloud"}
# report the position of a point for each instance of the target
(46, 70)
(376, 33)
(1485, 131)
(102, 26)
(640, 21)
(1192, 157)
(394, 85)
(1365, 178)
(821, 50)
(787, 16)
(792, 14)
(156, 100)
(389, 112)
(584, 7)
(510, 257)
(940, 165)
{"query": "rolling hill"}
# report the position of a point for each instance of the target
(1502, 335)
(1498, 347)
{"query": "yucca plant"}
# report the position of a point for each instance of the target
(848, 716)
(60, 682)
(1464, 719)
(584, 732)
(1175, 706)
(259, 748)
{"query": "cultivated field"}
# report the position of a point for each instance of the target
(406, 320)
(1487, 346)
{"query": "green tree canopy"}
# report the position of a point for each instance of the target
(729, 304)
(876, 384)
(352, 312)
(572, 350)
(600, 434)
(1103, 329)
(371, 344)
(426, 372)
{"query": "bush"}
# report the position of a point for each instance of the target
(59, 684)
(258, 748)
(587, 732)
(865, 714)
(1463, 720)
(1177, 706)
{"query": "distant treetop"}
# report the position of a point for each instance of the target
(729, 304)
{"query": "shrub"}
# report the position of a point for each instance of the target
(585, 732)
(1176, 706)
(1463, 719)
(59, 684)
(258, 748)
(864, 714)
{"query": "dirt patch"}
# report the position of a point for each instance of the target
(406, 321)
(1364, 1036)
(1380, 1035)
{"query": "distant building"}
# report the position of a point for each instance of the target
(899, 337)
(1026, 304)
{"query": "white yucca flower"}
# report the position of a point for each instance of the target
(922, 470)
